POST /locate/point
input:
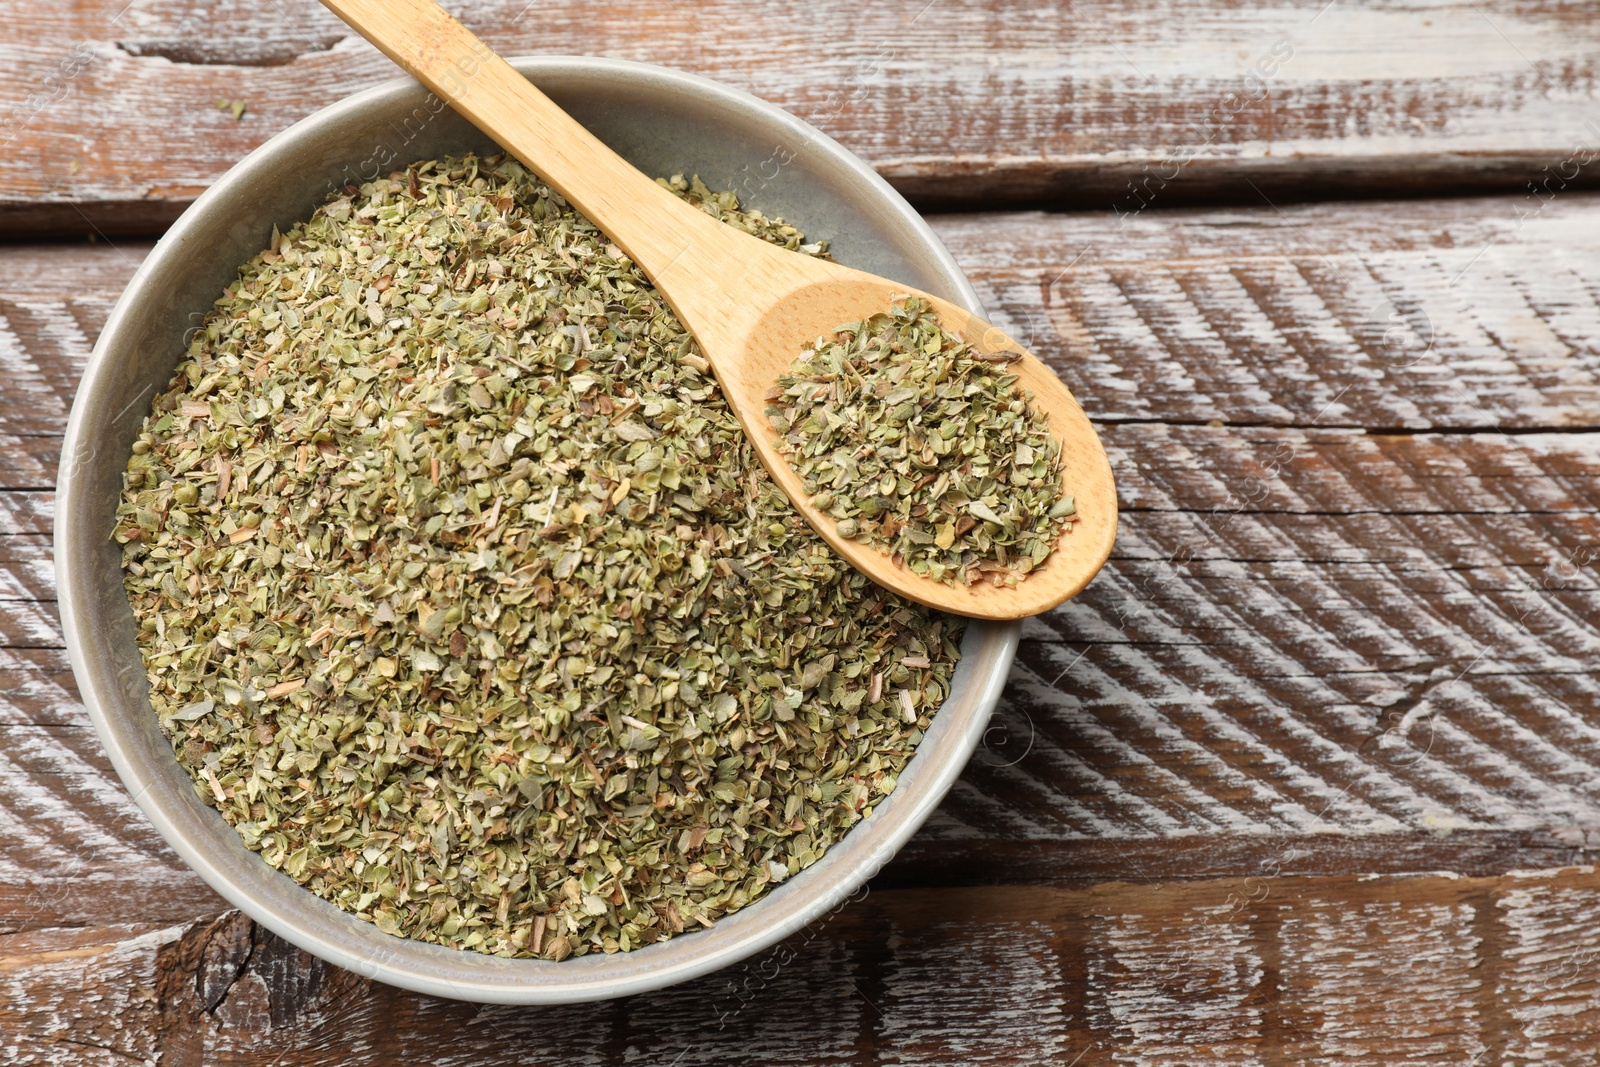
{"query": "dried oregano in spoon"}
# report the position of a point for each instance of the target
(924, 448)
(464, 600)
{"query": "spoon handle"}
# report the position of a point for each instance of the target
(647, 222)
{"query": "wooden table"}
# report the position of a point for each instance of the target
(1312, 770)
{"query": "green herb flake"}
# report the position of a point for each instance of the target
(463, 598)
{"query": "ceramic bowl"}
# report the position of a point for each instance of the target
(663, 121)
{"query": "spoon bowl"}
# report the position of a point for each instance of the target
(815, 307)
(751, 306)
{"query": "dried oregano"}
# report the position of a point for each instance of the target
(921, 446)
(464, 600)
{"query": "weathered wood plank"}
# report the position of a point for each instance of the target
(1324, 316)
(1337, 959)
(30, 624)
(1226, 701)
(1466, 315)
(89, 1023)
(25, 568)
(1547, 985)
(1262, 970)
(1109, 104)
(1314, 553)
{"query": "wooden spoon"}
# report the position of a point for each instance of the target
(751, 306)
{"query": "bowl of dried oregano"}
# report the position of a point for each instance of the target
(426, 595)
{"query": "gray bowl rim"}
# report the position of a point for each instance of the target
(809, 894)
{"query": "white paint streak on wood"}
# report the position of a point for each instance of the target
(1226, 971)
(1547, 771)
(61, 332)
(31, 688)
(1174, 988)
(1049, 685)
(1326, 278)
(1380, 982)
(1505, 788)
(1550, 978)
(25, 388)
(28, 623)
(1007, 976)
(32, 847)
(1560, 293)
(1199, 812)
(29, 464)
(82, 996)
(56, 798)
(1126, 353)
(1033, 763)
(1453, 780)
(1259, 352)
(87, 277)
(1180, 724)
(26, 513)
(1365, 799)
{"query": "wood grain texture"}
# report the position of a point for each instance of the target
(1473, 315)
(1110, 104)
(1254, 797)
(1351, 969)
